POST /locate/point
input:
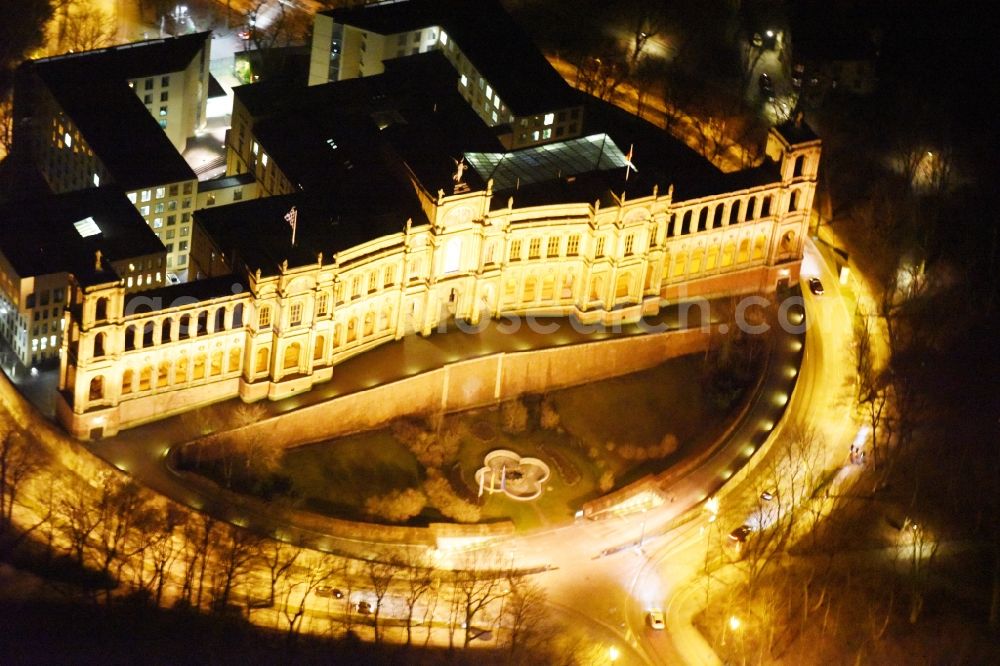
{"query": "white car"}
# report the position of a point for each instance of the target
(654, 619)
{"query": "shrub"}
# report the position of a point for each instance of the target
(442, 496)
(549, 416)
(397, 506)
(668, 445)
(431, 447)
(514, 416)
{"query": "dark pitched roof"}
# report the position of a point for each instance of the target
(487, 35)
(92, 88)
(38, 236)
(185, 293)
(255, 235)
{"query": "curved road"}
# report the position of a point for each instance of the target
(608, 571)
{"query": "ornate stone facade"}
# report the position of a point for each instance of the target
(128, 360)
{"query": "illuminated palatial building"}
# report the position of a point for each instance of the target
(411, 210)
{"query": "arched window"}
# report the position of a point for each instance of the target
(97, 388)
(793, 201)
(263, 360)
(129, 338)
(530, 288)
(369, 323)
(184, 329)
(198, 368)
(510, 291)
(202, 322)
(759, 246)
(318, 348)
(648, 282)
(597, 288)
(163, 375)
(336, 335)
(713, 258)
(567, 285)
(385, 318)
(744, 253)
(623, 286)
(765, 207)
(680, 263)
(215, 369)
(717, 219)
(686, 222)
(696, 258)
(166, 332)
(703, 218)
(798, 166)
(728, 253)
(291, 356)
(749, 212)
(788, 241)
(127, 377)
(145, 378)
(549, 287)
(734, 212)
(101, 309)
(147, 334)
(99, 345)
(181, 371)
(352, 329)
(234, 359)
(220, 320)
(238, 315)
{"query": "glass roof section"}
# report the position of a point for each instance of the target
(596, 152)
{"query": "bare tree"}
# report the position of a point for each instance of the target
(164, 548)
(76, 515)
(418, 578)
(479, 584)
(87, 27)
(380, 575)
(525, 616)
(122, 507)
(233, 557)
(20, 459)
(278, 558)
(313, 574)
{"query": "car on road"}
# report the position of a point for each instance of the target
(655, 620)
(766, 85)
(740, 534)
(815, 286)
(767, 496)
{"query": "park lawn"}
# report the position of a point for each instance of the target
(639, 408)
(346, 471)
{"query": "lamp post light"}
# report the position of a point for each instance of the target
(613, 654)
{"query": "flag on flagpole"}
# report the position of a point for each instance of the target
(628, 161)
(292, 217)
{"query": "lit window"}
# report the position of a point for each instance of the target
(163, 110)
(296, 314)
(52, 340)
(552, 250)
(465, 80)
(138, 281)
(444, 37)
(263, 159)
(573, 245)
(157, 222)
(550, 118)
(146, 195)
(132, 197)
(163, 124)
(629, 243)
(515, 250)
(255, 147)
(489, 91)
(128, 282)
(547, 134)
(535, 135)
(160, 192)
(97, 180)
(144, 210)
(68, 140)
(534, 248)
(599, 251)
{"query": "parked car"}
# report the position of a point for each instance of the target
(815, 286)
(740, 534)
(655, 620)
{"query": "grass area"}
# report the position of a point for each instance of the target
(337, 476)
(612, 427)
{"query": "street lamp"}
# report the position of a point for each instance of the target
(734, 622)
(613, 654)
